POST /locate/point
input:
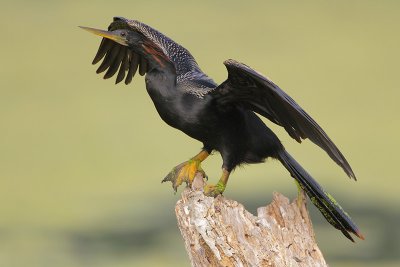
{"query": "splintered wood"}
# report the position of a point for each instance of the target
(221, 232)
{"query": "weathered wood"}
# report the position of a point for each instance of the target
(221, 232)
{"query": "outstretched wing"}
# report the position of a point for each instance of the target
(250, 89)
(126, 60)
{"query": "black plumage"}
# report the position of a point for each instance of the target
(222, 117)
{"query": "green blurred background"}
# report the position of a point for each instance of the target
(81, 159)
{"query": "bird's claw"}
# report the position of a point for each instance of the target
(184, 172)
(214, 190)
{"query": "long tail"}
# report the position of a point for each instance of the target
(326, 204)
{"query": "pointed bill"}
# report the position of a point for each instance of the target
(112, 35)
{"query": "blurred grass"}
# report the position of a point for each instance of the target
(81, 159)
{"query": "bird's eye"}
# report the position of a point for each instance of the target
(123, 34)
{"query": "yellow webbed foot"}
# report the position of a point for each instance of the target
(186, 171)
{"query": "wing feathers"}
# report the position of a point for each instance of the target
(123, 68)
(142, 66)
(119, 57)
(145, 54)
(134, 62)
(105, 46)
(250, 89)
(109, 58)
(115, 65)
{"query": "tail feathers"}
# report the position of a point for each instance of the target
(325, 203)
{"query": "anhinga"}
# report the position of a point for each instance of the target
(222, 117)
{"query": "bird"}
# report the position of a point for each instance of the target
(224, 117)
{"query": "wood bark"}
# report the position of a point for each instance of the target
(221, 232)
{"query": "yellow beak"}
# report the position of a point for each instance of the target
(106, 34)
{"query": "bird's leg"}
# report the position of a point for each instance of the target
(186, 171)
(219, 188)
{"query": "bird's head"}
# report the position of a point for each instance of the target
(119, 31)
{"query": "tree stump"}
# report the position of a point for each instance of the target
(221, 232)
